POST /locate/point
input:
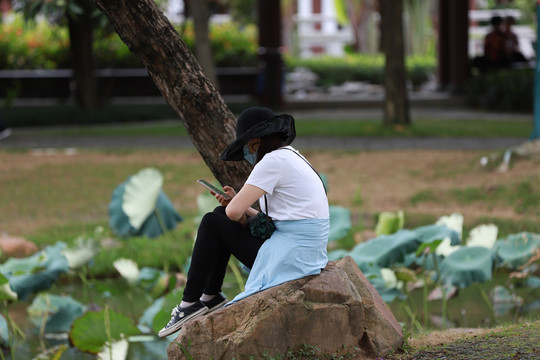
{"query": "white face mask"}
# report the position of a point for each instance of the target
(250, 158)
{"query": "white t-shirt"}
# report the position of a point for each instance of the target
(294, 190)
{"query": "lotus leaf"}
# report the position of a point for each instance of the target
(118, 350)
(389, 223)
(446, 247)
(128, 269)
(340, 222)
(153, 280)
(147, 318)
(430, 233)
(81, 253)
(454, 222)
(205, 203)
(467, 265)
(533, 282)
(517, 249)
(54, 353)
(5, 290)
(140, 207)
(503, 300)
(4, 332)
(159, 313)
(60, 311)
(324, 179)
(337, 254)
(385, 250)
(395, 249)
(91, 331)
(140, 195)
(483, 235)
(37, 272)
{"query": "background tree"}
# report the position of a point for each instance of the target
(82, 17)
(181, 81)
(396, 103)
(200, 11)
(360, 14)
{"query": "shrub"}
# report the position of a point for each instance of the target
(503, 90)
(33, 45)
(361, 67)
(40, 45)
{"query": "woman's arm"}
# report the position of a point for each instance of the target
(241, 203)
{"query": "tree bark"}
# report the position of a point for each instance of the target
(396, 103)
(81, 37)
(179, 77)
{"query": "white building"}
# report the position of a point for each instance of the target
(317, 29)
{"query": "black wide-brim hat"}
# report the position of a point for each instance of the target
(257, 122)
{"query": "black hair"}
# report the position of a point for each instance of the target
(496, 20)
(270, 143)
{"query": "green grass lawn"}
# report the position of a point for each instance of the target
(421, 127)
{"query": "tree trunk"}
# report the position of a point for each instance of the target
(81, 38)
(203, 48)
(179, 77)
(396, 103)
(271, 62)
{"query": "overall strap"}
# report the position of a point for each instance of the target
(307, 162)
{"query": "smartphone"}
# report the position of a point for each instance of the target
(212, 188)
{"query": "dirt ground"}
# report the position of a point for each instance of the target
(501, 343)
(368, 182)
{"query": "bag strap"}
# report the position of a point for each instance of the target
(307, 162)
(266, 206)
(268, 219)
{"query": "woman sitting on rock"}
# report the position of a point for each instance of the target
(289, 191)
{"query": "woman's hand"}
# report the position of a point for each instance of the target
(225, 200)
(240, 205)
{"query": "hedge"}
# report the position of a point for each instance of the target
(43, 46)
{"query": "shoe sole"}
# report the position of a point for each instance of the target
(218, 306)
(174, 328)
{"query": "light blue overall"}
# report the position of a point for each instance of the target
(296, 249)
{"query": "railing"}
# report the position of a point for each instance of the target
(112, 83)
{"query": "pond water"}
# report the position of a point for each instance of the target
(470, 308)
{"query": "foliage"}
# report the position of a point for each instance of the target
(503, 90)
(361, 67)
(33, 45)
(42, 45)
(37, 272)
(93, 330)
(243, 11)
(527, 8)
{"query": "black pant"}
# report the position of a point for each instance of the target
(217, 238)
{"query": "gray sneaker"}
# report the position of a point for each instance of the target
(179, 316)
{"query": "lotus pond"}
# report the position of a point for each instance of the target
(431, 277)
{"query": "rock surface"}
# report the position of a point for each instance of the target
(337, 311)
(12, 246)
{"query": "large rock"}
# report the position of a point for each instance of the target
(12, 246)
(335, 310)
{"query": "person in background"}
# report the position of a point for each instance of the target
(495, 55)
(289, 191)
(513, 53)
